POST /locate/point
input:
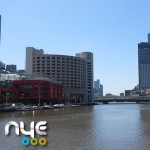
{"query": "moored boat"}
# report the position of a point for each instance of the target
(7, 109)
(24, 108)
(75, 105)
(59, 106)
(47, 107)
(36, 107)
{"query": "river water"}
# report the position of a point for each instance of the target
(99, 127)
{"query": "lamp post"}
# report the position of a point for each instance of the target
(39, 94)
(6, 98)
(22, 96)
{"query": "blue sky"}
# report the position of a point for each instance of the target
(111, 29)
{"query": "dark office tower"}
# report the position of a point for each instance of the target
(149, 38)
(144, 65)
(0, 28)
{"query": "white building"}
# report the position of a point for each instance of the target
(74, 72)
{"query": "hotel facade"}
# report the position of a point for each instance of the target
(74, 72)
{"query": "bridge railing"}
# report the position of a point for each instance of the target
(123, 98)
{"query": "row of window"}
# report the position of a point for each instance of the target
(58, 58)
(75, 87)
(73, 74)
(58, 69)
(35, 86)
(59, 64)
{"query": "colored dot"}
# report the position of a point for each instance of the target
(33, 141)
(42, 141)
(25, 141)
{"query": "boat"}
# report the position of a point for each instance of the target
(47, 107)
(59, 106)
(36, 107)
(7, 109)
(24, 108)
(75, 105)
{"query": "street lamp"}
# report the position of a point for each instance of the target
(22, 96)
(6, 98)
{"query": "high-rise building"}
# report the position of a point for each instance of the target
(149, 38)
(144, 64)
(98, 88)
(97, 84)
(74, 72)
(0, 28)
(2, 66)
(101, 90)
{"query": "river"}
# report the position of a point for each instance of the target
(99, 127)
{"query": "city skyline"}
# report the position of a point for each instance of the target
(110, 30)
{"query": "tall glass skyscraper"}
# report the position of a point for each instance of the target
(97, 84)
(144, 64)
(0, 28)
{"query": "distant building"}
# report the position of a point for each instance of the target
(8, 77)
(108, 94)
(134, 92)
(74, 72)
(98, 88)
(128, 92)
(144, 64)
(21, 72)
(101, 90)
(121, 94)
(11, 68)
(2, 66)
(97, 84)
(131, 93)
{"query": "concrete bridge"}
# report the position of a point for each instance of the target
(136, 99)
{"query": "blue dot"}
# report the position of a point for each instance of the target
(25, 141)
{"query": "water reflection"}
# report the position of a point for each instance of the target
(102, 127)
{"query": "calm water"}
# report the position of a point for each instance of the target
(101, 127)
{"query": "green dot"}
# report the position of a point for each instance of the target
(33, 141)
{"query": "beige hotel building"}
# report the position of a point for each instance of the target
(74, 72)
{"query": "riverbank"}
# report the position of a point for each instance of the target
(33, 108)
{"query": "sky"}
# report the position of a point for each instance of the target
(111, 29)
